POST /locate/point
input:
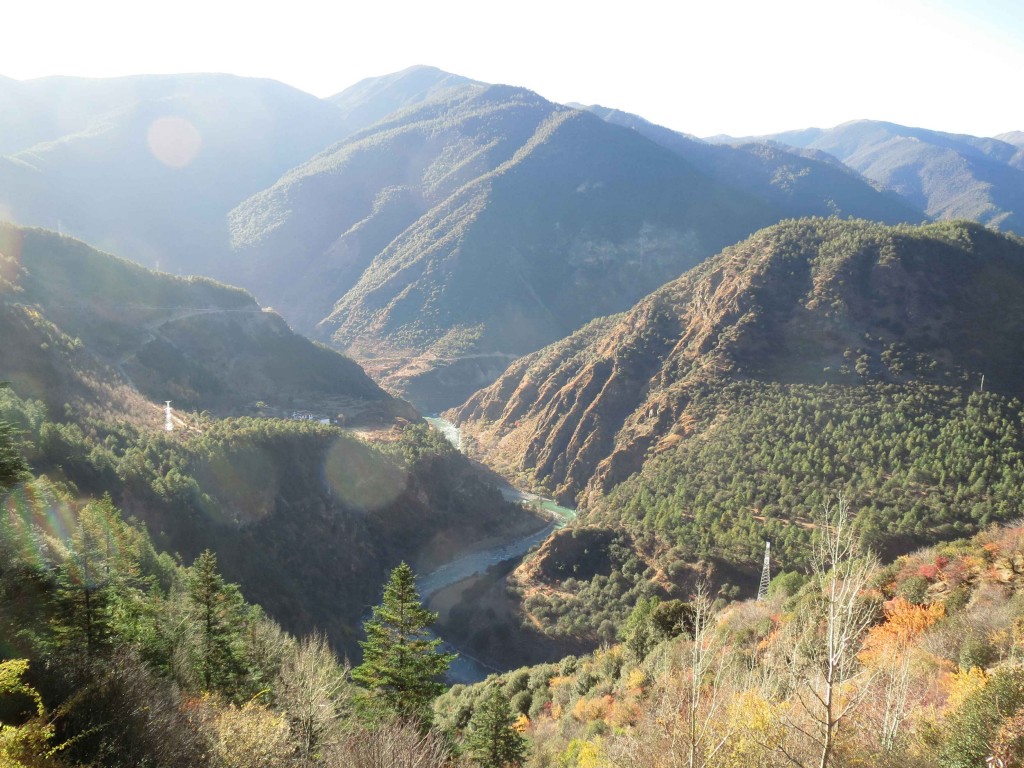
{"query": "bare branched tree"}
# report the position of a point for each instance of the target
(313, 691)
(826, 685)
(705, 732)
(687, 728)
(390, 745)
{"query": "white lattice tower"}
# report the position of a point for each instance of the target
(168, 421)
(766, 574)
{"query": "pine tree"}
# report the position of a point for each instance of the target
(491, 739)
(219, 619)
(401, 663)
(638, 633)
(98, 584)
(12, 465)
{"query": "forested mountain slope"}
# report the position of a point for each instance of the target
(79, 321)
(477, 227)
(117, 654)
(93, 345)
(817, 357)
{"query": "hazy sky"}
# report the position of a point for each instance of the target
(701, 67)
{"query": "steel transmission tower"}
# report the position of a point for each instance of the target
(766, 575)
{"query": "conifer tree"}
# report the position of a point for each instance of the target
(638, 633)
(12, 465)
(98, 584)
(219, 618)
(491, 738)
(401, 662)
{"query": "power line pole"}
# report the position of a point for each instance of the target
(766, 575)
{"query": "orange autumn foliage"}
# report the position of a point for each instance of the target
(586, 710)
(904, 623)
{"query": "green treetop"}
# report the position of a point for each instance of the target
(219, 619)
(401, 663)
(12, 465)
(491, 738)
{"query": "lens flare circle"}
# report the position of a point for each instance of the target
(358, 477)
(174, 141)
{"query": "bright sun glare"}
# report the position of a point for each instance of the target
(705, 68)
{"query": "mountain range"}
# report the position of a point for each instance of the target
(795, 180)
(433, 226)
(479, 228)
(148, 167)
(949, 176)
(461, 232)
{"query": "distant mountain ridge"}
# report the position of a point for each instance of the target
(148, 166)
(374, 98)
(800, 182)
(947, 175)
(1012, 137)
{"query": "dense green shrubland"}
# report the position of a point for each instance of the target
(921, 462)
